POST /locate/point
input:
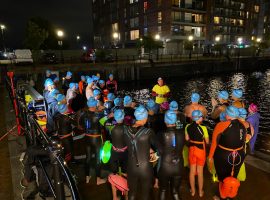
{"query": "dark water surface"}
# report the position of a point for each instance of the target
(256, 87)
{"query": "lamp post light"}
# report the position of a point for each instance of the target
(157, 38)
(3, 27)
(60, 35)
(190, 39)
(116, 40)
(239, 42)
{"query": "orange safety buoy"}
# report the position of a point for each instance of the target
(229, 187)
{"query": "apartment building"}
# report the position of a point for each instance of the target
(122, 22)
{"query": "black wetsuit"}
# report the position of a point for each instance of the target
(140, 170)
(171, 161)
(129, 116)
(90, 122)
(51, 110)
(119, 149)
(233, 137)
(63, 125)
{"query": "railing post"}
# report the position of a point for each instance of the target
(57, 175)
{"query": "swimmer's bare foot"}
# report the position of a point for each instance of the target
(100, 181)
(156, 184)
(201, 193)
(192, 193)
(87, 179)
(216, 198)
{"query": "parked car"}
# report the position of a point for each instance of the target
(49, 58)
(88, 56)
(5, 59)
(23, 56)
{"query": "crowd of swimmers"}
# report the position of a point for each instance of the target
(148, 140)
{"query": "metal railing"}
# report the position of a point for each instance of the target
(37, 137)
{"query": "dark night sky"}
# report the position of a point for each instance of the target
(70, 15)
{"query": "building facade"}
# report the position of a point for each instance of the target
(122, 22)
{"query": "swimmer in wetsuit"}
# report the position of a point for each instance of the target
(89, 121)
(119, 149)
(171, 161)
(197, 135)
(236, 98)
(195, 98)
(227, 148)
(63, 126)
(139, 140)
(111, 84)
(129, 111)
(220, 106)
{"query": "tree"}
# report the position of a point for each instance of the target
(35, 36)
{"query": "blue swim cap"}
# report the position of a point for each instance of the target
(60, 97)
(76, 86)
(140, 113)
(127, 100)
(48, 82)
(170, 117)
(173, 106)
(195, 97)
(196, 115)
(238, 93)
(223, 95)
(86, 77)
(96, 92)
(83, 78)
(111, 96)
(119, 115)
(95, 78)
(53, 93)
(92, 102)
(232, 111)
(62, 108)
(71, 85)
(242, 113)
(110, 75)
(89, 80)
(101, 82)
(56, 79)
(69, 73)
(222, 117)
(117, 101)
(150, 105)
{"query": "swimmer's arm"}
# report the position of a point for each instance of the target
(220, 127)
(155, 142)
(215, 113)
(186, 133)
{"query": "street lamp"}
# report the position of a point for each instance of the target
(78, 37)
(157, 38)
(3, 27)
(190, 39)
(217, 39)
(60, 35)
(239, 41)
(116, 40)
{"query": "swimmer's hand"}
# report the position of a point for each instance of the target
(214, 102)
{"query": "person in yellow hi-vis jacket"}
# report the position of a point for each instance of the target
(161, 91)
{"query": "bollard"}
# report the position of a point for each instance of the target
(56, 151)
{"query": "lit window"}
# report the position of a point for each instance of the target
(133, 1)
(241, 22)
(247, 15)
(145, 6)
(216, 20)
(159, 17)
(256, 8)
(134, 34)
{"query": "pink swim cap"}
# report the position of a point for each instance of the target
(253, 107)
(165, 105)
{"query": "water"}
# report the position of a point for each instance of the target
(256, 88)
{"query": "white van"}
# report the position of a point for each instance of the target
(22, 56)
